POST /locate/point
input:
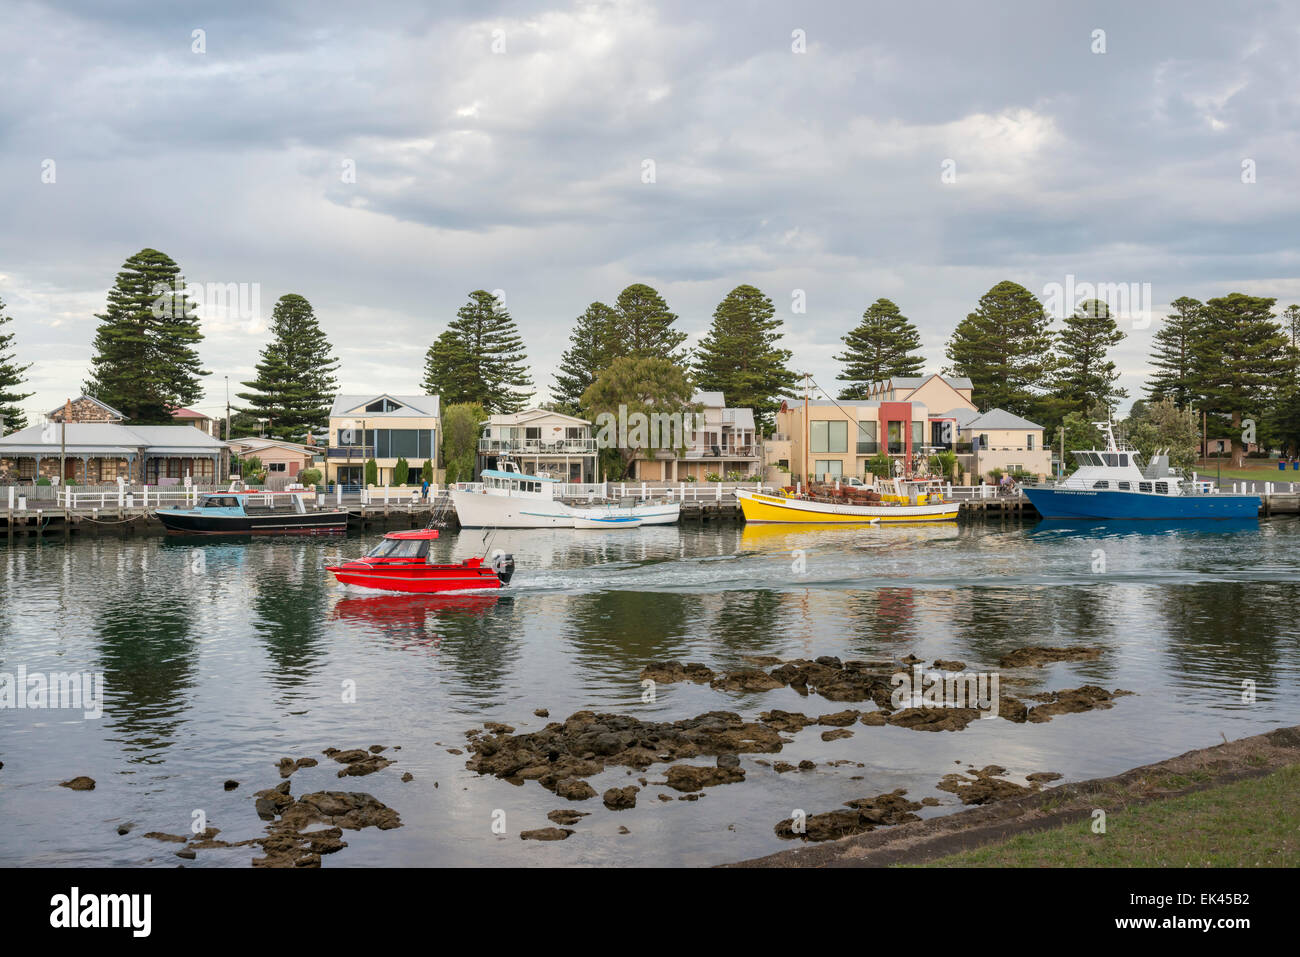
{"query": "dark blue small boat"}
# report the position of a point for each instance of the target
(253, 513)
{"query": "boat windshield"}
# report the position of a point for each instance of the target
(399, 548)
(220, 501)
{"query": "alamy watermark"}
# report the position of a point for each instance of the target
(1127, 302)
(639, 430)
(946, 689)
(60, 690)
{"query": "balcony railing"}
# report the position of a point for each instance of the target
(868, 448)
(581, 446)
(897, 448)
(721, 452)
(361, 452)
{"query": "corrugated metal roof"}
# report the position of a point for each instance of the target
(102, 438)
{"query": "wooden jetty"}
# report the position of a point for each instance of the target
(386, 509)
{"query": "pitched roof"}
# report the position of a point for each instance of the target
(88, 398)
(714, 399)
(106, 438)
(256, 442)
(527, 415)
(412, 406)
(1000, 419)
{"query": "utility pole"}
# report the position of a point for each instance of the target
(63, 440)
(225, 455)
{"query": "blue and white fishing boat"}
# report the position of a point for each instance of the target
(1116, 483)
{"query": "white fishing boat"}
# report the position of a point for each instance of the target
(508, 498)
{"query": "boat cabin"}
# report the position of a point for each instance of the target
(409, 546)
(508, 480)
(253, 503)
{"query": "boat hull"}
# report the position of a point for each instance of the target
(771, 508)
(1087, 504)
(311, 523)
(416, 578)
(481, 510)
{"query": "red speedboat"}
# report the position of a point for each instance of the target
(401, 563)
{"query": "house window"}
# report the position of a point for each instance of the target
(839, 436)
(831, 469)
(275, 467)
(383, 405)
(1029, 441)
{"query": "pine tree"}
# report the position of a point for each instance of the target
(295, 381)
(12, 376)
(583, 361)
(1085, 377)
(1174, 354)
(146, 358)
(1005, 348)
(643, 327)
(479, 358)
(1241, 361)
(740, 357)
(883, 345)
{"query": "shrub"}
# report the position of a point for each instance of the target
(713, 477)
(372, 472)
(996, 475)
(426, 472)
(309, 476)
(42, 481)
(881, 465)
(735, 475)
(400, 471)
(689, 478)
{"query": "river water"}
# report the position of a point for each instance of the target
(219, 658)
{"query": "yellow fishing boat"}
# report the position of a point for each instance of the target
(774, 508)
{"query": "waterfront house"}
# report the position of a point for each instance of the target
(902, 419)
(723, 441)
(540, 442)
(282, 460)
(909, 419)
(384, 427)
(196, 419)
(998, 439)
(102, 452)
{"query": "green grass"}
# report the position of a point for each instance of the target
(1252, 823)
(1252, 472)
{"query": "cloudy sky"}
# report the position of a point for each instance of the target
(921, 152)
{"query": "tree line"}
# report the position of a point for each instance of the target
(1229, 356)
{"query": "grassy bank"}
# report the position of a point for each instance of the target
(1251, 823)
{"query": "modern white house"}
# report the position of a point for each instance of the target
(541, 442)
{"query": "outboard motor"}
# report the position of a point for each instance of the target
(504, 566)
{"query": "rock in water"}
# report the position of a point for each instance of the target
(546, 834)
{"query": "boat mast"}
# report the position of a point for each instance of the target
(807, 434)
